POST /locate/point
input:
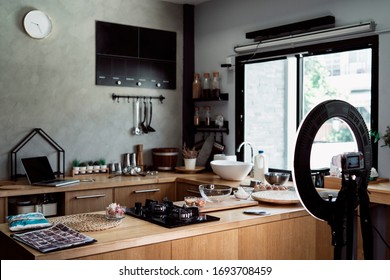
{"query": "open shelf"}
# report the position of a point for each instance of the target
(222, 97)
(212, 127)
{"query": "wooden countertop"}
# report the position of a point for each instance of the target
(133, 232)
(379, 192)
(11, 188)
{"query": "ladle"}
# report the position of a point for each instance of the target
(143, 126)
(150, 129)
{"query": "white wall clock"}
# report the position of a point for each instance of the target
(37, 24)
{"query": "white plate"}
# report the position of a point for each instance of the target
(279, 197)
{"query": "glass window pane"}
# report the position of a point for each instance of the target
(345, 76)
(270, 95)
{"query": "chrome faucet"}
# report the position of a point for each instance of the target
(250, 145)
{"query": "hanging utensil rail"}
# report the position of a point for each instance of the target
(117, 97)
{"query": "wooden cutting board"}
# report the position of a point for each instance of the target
(229, 203)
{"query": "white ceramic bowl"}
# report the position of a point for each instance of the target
(243, 195)
(231, 170)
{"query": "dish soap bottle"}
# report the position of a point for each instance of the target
(260, 166)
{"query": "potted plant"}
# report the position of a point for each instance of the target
(90, 166)
(83, 167)
(103, 165)
(385, 137)
(96, 166)
(189, 157)
(76, 166)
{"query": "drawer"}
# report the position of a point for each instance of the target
(128, 196)
(87, 201)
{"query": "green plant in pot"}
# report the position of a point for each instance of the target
(96, 166)
(83, 167)
(103, 165)
(90, 166)
(76, 166)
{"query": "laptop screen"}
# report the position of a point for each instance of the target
(38, 169)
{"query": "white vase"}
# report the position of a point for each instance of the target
(83, 169)
(96, 168)
(189, 163)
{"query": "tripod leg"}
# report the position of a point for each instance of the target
(366, 226)
(350, 211)
(337, 225)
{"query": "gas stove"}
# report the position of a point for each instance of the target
(167, 214)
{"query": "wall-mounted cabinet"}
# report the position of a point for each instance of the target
(131, 56)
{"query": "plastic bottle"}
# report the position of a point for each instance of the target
(260, 166)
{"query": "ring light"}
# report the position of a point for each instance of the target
(309, 197)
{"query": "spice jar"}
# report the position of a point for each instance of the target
(196, 87)
(196, 116)
(206, 92)
(207, 116)
(215, 90)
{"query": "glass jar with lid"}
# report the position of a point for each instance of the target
(207, 119)
(196, 87)
(215, 89)
(196, 117)
(206, 86)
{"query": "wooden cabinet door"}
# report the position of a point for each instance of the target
(87, 201)
(290, 239)
(158, 251)
(185, 189)
(213, 246)
(128, 196)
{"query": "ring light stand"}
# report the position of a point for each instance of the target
(338, 213)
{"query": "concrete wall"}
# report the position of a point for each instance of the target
(222, 24)
(50, 83)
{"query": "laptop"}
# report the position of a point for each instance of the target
(40, 173)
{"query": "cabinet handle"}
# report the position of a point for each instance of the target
(90, 196)
(147, 191)
(192, 191)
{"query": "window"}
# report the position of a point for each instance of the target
(276, 90)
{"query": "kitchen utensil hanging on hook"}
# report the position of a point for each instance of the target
(150, 129)
(145, 111)
(136, 129)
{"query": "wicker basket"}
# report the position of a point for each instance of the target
(165, 159)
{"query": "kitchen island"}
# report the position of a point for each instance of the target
(289, 232)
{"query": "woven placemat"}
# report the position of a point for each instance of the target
(86, 222)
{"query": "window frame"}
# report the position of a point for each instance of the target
(308, 50)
